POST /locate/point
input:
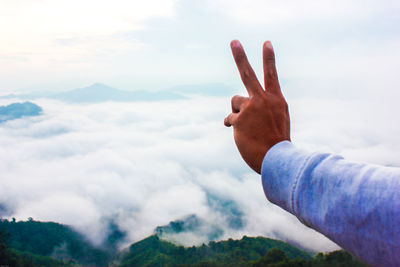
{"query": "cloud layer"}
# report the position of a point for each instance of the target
(140, 164)
(145, 164)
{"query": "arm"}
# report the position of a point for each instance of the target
(355, 205)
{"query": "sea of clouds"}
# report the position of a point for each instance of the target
(144, 164)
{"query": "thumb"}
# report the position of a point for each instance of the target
(230, 119)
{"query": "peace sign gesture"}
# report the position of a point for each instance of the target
(262, 119)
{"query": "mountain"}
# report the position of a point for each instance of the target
(247, 252)
(18, 110)
(191, 224)
(12, 257)
(153, 251)
(33, 243)
(28, 96)
(49, 239)
(185, 230)
(99, 93)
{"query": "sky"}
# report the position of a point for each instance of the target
(145, 164)
(56, 45)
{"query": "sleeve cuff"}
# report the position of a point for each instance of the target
(281, 168)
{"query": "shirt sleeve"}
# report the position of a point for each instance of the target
(355, 205)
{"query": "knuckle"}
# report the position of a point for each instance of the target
(278, 102)
(259, 102)
(236, 103)
(248, 77)
(271, 73)
(235, 99)
(283, 104)
(270, 58)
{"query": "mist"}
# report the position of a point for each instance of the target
(145, 164)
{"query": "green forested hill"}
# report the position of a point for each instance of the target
(153, 251)
(11, 257)
(249, 251)
(53, 239)
(33, 243)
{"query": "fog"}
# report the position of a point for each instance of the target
(144, 164)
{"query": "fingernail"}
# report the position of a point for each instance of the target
(268, 44)
(235, 44)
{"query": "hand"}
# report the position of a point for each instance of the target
(262, 119)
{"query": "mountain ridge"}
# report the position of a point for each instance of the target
(53, 244)
(98, 92)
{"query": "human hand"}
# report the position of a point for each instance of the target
(262, 119)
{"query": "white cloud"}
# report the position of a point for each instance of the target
(143, 164)
(48, 20)
(289, 11)
(360, 130)
(146, 164)
(55, 37)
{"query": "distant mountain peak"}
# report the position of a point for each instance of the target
(19, 110)
(98, 86)
(99, 92)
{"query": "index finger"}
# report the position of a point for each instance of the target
(247, 74)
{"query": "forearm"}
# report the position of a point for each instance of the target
(355, 205)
